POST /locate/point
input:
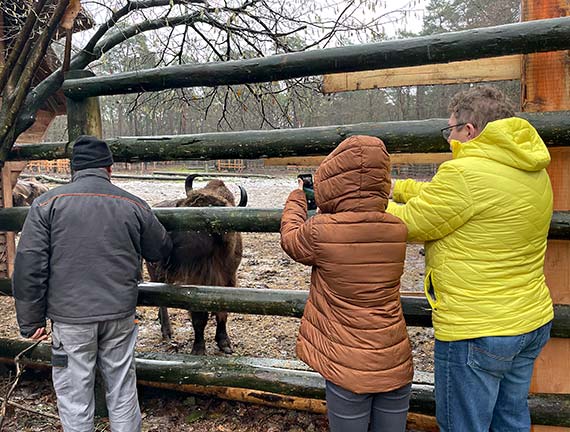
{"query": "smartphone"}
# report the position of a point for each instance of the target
(309, 190)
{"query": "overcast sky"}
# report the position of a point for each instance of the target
(413, 21)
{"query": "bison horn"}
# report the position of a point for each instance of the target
(188, 183)
(242, 197)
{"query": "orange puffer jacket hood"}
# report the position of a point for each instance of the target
(354, 177)
(353, 330)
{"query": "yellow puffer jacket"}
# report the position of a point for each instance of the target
(485, 218)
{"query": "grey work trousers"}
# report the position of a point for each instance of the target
(76, 350)
(376, 412)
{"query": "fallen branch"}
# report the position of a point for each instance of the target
(30, 410)
(19, 372)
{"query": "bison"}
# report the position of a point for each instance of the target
(201, 258)
(26, 191)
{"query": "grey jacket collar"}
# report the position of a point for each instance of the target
(91, 172)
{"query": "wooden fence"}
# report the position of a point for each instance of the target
(409, 137)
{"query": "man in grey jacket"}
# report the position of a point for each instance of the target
(78, 263)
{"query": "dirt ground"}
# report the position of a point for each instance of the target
(264, 265)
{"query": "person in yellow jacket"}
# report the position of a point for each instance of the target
(484, 218)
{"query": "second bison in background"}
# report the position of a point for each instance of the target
(202, 258)
(26, 191)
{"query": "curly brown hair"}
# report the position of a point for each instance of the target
(481, 105)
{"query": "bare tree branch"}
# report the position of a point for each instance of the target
(19, 372)
(17, 50)
(11, 110)
(207, 40)
(231, 30)
(276, 37)
(180, 52)
(332, 31)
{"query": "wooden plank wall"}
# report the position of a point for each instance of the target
(545, 86)
(36, 133)
(488, 69)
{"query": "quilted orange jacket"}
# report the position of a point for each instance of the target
(353, 330)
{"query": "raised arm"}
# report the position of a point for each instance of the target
(296, 231)
(404, 190)
(156, 243)
(441, 206)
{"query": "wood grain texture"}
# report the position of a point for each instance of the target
(480, 70)
(545, 86)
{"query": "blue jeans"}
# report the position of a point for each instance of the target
(482, 384)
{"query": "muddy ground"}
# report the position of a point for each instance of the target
(264, 265)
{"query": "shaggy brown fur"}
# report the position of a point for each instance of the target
(201, 258)
(26, 191)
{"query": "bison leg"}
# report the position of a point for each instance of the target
(199, 321)
(222, 338)
(165, 326)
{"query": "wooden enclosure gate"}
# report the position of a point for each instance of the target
(237, 165)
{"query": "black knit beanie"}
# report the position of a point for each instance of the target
(90, 152)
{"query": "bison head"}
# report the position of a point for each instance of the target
(215, 193)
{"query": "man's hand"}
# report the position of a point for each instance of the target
(40, 334)
(300, 184)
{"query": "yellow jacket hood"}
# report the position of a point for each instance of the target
(512, 141)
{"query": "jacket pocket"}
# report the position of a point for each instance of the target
(61, 373)
(429, 290)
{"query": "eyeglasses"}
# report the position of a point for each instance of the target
(446, 131)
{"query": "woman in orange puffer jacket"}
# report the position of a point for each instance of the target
(353, 330)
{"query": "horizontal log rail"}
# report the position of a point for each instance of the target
(216, 219)
(225, 219)
(213, 174)
(283, 377)
(519, 38)
(416, 136)
(289, 303)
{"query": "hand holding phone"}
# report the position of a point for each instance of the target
(309, 190)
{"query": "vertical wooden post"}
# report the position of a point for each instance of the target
(10, 173)
(545, 86)
(3, 236)
(84, 118)
(7, 241)
(2, 44)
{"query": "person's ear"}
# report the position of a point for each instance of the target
(471, 131)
